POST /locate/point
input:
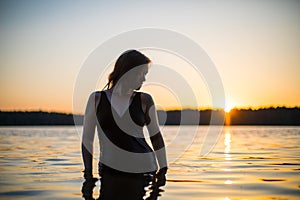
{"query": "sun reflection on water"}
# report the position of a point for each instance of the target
(228, 182)
(227, 141)
(227, 155)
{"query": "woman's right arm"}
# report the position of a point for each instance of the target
(89, 125)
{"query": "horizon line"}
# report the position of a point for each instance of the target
(166, 109)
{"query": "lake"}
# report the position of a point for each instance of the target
(247, 162)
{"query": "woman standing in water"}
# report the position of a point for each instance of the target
(120, 113)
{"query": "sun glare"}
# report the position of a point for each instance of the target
(228, 107)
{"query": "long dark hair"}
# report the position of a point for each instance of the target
(127, 61)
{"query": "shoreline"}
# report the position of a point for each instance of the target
(280, 116)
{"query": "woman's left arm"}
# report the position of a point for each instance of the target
(154, 132)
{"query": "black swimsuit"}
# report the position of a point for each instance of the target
(125, 132)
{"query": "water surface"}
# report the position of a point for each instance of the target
(250, 162)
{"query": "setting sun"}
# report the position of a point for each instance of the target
(228, 107)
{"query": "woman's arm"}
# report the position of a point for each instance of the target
(154, 131)
(89, 125)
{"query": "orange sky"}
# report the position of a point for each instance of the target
(254, 45)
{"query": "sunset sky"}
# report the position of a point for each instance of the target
(255, 46)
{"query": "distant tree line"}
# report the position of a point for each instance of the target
(265, 116)
(191, 117)
(37, 118)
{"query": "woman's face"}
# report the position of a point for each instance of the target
(135, 78)
(140, 77)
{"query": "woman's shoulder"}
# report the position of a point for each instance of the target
(146, 98)
(95, 95)
(145, 95)
(94, 98)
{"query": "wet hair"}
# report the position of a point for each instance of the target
(127, 61)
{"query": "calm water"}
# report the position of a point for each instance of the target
(247, 163)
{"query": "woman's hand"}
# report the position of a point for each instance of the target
(87, 188)
(88, 174)
(161, 176)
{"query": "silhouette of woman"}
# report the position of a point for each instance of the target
(119, 113)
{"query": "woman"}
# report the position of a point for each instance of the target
(120, 113)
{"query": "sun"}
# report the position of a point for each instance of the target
(228, 107)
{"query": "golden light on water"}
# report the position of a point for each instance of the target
(227, 141)
(228, 182)
(227, 149)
